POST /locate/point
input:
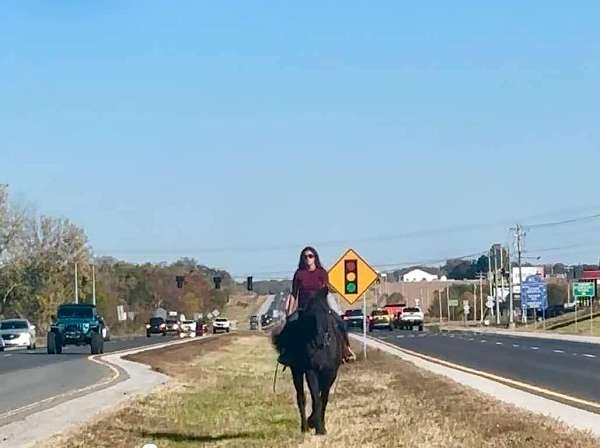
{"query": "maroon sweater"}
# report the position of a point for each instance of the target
(307, 283)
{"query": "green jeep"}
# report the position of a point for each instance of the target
(76, 324)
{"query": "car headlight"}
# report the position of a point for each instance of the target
(147, 325)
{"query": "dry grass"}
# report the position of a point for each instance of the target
(223, 398)
(240, 308)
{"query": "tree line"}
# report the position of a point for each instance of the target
(37, 258)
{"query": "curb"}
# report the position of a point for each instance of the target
(498, 388)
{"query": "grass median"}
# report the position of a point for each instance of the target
(222, 396)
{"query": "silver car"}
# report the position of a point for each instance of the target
(17, 333)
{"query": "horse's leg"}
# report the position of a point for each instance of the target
(326, 380)
(300, 397)
(315, 420)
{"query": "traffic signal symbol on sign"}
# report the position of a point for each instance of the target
(351, 276)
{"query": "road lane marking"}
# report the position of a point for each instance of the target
(558, 351)
(516, 345)
(498, 343)
(534, 348)
(483, 340)
(116, 374)
(589, 356)
(493, 377)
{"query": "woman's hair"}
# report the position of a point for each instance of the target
(302, 263)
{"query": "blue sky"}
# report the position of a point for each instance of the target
(236, 132)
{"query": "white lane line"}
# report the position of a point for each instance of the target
(471, 339)
(483, 340)
(400, 336)
(589, 356)
(516, 345)
(498, 343)
(7, 355)
(534, 348)
(558, 351)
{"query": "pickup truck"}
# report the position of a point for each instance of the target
(412, 317)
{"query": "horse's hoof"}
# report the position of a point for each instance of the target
(304, 427)
(321, 432)
(311, 422)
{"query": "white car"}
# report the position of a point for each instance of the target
(221, 324)
(412, 317)
(188, 329)
(17, 333)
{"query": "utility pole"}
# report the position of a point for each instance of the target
(490, 273)
(474, 302)
(440, 300)
(76, 286)
(519, 236)
(448, 301)
(481, 296)
(496, 284)
(94, 284)
(511, 305)
(501, 284)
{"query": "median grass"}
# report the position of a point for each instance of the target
(221, 396)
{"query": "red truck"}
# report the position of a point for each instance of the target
(395, 309)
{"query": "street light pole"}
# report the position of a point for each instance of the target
(76, 286)
(94, 284)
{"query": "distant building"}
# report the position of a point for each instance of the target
(419, 275)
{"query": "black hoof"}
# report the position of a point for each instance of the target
(304, 427)
(321, 432)
(311, 422)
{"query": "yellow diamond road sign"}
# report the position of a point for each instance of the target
(351, 276)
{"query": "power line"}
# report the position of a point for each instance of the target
(563, 222)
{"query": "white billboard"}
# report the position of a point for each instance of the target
(526, 271)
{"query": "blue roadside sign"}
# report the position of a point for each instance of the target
(534, 293)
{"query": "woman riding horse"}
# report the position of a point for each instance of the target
(309, 279)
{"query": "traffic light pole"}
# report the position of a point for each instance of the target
(365, 325)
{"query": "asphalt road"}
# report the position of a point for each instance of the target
(27, 377)
(571, 368)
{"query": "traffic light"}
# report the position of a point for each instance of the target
(249, 284)
(180, 279)
(217, 281)
(351, 276)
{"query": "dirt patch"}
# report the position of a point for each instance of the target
(222, 397)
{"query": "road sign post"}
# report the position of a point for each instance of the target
(351, 277)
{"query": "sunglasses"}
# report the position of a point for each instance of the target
(309, 256)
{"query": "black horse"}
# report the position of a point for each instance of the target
(313, 344)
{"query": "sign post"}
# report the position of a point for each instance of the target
(534, 294)
(350, 277)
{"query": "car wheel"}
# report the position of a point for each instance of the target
(97, 344)
(165, 333)
(1, 349)
(147, 335)
(420, 327)
(228, 330)
(391, 328)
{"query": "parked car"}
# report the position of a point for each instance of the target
(188, 329)
(76, 324)
(156, 325)
(353, 318)
(221, 324)
(381, 319)
(412, 317)
(173, 326)
(17, 333)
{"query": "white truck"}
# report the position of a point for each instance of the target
(412, 317)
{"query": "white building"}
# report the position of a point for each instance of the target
(419, 275)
